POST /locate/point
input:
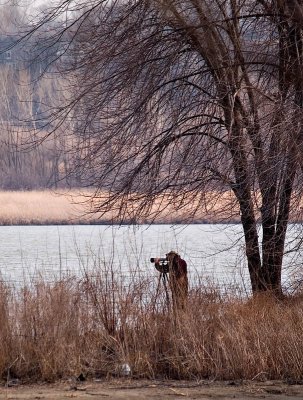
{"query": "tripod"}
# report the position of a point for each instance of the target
(163, 276)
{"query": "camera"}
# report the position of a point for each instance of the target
(161, 260)
(162, 265)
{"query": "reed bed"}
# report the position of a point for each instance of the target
(41, 207)
(74, 207)
(91, 326)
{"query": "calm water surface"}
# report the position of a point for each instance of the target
(26, 251)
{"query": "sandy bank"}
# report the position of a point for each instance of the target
(128, 389)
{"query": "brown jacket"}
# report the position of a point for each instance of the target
(178, 281)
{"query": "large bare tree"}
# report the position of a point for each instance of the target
(187, 97)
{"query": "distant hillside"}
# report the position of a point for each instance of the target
(29, 89)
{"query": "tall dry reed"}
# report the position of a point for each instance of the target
(95, 324)
(73, 207)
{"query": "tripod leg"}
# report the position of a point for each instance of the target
(157, 291)
(164, 277)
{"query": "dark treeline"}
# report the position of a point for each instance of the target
(29, 87)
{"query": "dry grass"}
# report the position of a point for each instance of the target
(72, 207)
(95, 324)
(41, 207)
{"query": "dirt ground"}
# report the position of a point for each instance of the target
(171, 390)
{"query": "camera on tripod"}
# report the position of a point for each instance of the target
(161, 264)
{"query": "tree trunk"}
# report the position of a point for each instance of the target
(274, 232)
(252, 249)
(242, 190)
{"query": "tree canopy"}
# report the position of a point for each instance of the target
(185, 97)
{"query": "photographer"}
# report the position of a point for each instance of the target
(178, 281)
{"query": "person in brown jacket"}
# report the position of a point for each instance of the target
(178, 281)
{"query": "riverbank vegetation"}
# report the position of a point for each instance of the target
(91, 326)
(75, 207)
(41, 207)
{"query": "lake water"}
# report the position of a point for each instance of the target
(213, 252)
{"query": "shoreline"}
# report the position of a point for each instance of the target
(110, 223)
(128, 389)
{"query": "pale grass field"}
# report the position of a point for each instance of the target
(72, 207)
(17, 207)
